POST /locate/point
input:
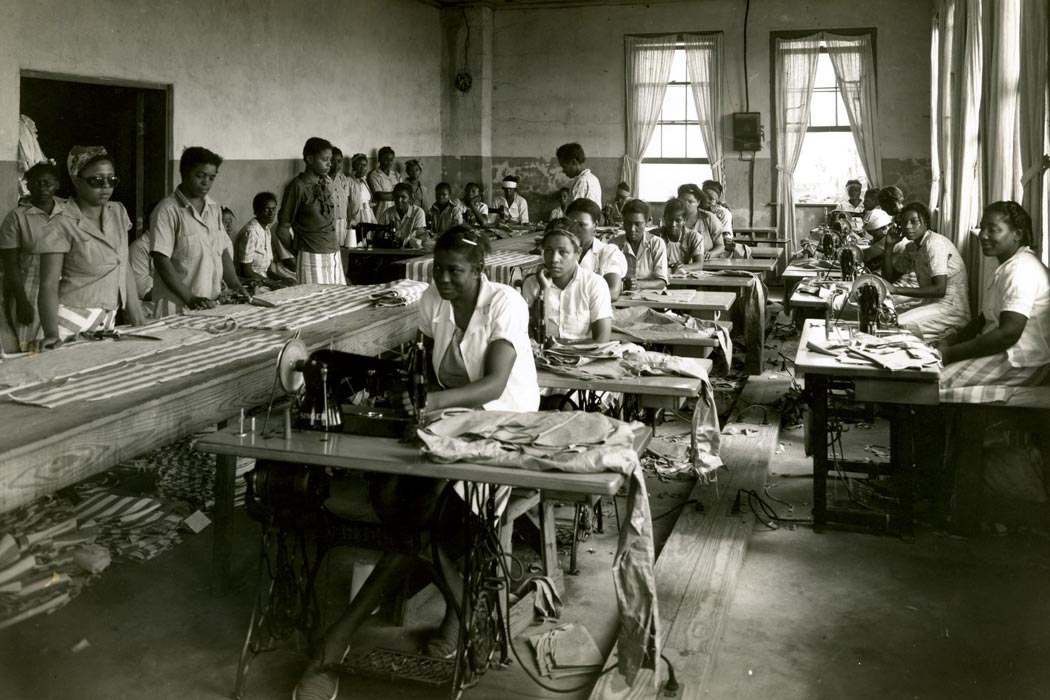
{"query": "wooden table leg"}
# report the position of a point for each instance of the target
(225, 476)
(902, 457)
(817, 391)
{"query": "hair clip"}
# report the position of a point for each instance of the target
(470, 242)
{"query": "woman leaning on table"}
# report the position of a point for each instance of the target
(1008, 344)
(84, 271)
(477, 334)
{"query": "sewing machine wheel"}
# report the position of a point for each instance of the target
(880, 285)
(289, 364)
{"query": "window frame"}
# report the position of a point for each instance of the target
(706, 160)
(802, 34)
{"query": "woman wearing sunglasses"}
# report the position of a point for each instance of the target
(84, 271)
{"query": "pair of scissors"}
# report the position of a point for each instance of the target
(116, 335)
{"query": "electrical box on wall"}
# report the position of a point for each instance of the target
(747, 131)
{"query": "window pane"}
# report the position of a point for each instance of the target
(827, 161)
(678, 68)
(674, 141)
(694, 142)
(653, 150)
(840, 111)
(674, 103)
(690, 105)
(822, 109)
(825, 72)
(659, 182)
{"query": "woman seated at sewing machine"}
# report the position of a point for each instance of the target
(940, 302)
(409, 221)
(685, 247)
(481, 358)
(646, 254)
(576, 306)
(1008, 344)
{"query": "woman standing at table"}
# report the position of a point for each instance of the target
(84, 270)
(940, 302)
(699, 219)
(576, 303)
(1008, 344)
(477, 333)
(646, 254)
(20, 233)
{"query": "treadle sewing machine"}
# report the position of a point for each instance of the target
(337, 392)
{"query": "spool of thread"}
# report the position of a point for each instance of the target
(353, 238)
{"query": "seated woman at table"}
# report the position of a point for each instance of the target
(85, 277)
(253, 246)
(481, 358)
(890, 200)
(477, 212)
(714, 191)
(698, 217)
(940, 302)
(646, 254)
(445, 212)
(408, 220)
(601, 258)
(576, 303)
(853, 203)
(564, 197)
(511, 206)
(1008, 344)
(876, 225)
(20, 232)
(685, 248)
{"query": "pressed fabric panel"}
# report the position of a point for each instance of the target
(854, 64)
(796, 69)
(648, 67)
(704, 58)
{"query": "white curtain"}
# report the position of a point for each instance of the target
(704, 61)
(956, 81)
(855, 76)
(796, 69)
(648, 70)
(1000, 120)
(1035, 120)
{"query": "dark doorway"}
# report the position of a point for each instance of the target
(130, 120)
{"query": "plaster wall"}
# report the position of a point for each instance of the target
(252, 79)
(558, 76)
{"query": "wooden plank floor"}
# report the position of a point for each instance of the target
(697, 570)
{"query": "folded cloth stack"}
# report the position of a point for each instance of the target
(565, 651)
(581, 443)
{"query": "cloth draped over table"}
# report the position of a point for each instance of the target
(580, 443)
(650, 326)
(619, 360)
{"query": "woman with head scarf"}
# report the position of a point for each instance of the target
(511, 205)
(85, 278)
(20, 234)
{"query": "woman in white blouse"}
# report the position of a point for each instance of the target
(576, 302)
(1008, 344)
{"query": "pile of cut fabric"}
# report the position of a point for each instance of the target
(580, 443)
(566, 651)
(646, 325)
(620, 360)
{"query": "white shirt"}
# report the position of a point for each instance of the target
(360, 202)
(931, 256)
(340, 195)
(571, 311)
(500, 314)
(846, 206)
(253, 247)
(603, 258)
(516, 211)
(586, 185)
(1022, 285)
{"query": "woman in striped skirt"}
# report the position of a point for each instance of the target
(84, 271)
(1008, 344)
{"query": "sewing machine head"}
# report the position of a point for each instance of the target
(378, 235)
(342, 392)
(851, 260)
(872, 294)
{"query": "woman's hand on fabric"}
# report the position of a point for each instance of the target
(135, 316)
(201, 303)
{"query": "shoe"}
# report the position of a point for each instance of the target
(317, 684)
(440, 648)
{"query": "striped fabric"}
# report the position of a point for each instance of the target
(330, 302)
(156, 369)
(505, 268)
(989, 379)
(320, 268)
(73, 320)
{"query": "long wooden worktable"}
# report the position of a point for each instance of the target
(42, 450)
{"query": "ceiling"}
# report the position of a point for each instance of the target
(541, 4)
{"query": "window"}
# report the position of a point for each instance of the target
(676, 152)
(829, 154)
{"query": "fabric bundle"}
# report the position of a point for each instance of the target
(650, 326)
(503, 267)
(581, 443)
